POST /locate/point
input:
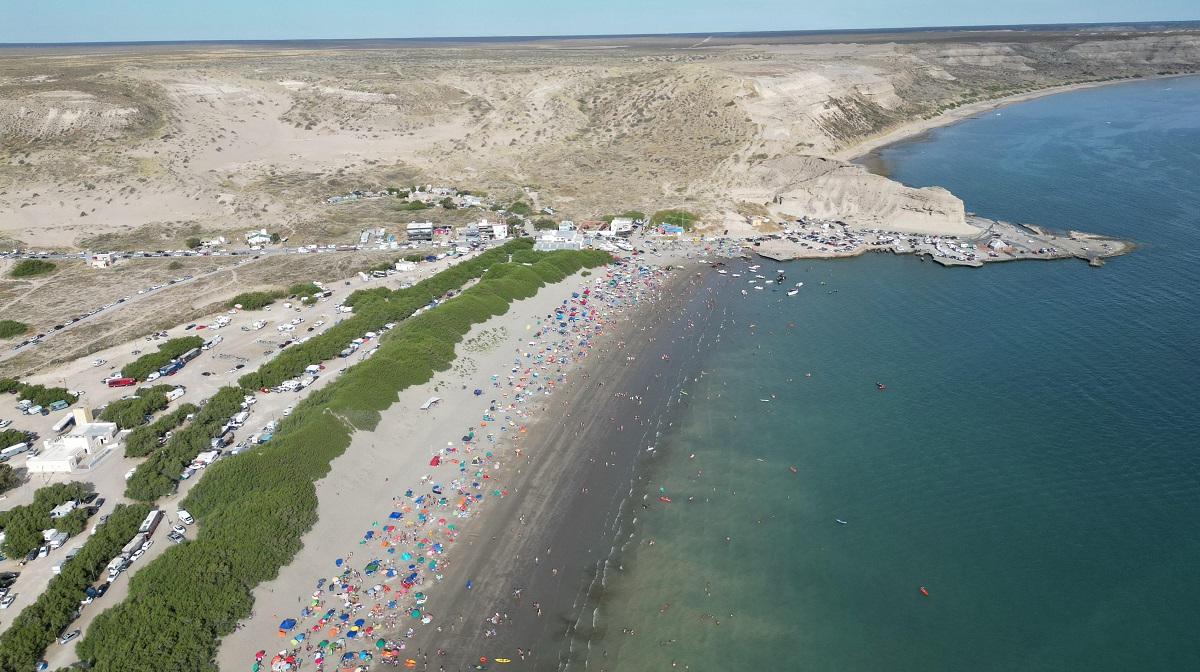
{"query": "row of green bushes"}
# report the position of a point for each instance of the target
(374, 308)
(303, 289)
(28, 267)
(130, 413)
(11, 437)
(255, 508)
(148, 363)
(40, 395)
(23, 525)
(37, 626)
(144, 440)
(256, 300)
(159, 475)
(10, 328)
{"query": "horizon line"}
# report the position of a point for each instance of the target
(521, 38)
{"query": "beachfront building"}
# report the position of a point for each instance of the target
(560, 240)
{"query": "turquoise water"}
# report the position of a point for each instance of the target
(1033, 463)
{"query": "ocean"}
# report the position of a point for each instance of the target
(1024, 491)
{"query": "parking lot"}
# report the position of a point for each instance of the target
(238, 352)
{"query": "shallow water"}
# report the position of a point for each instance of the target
(1032, 462)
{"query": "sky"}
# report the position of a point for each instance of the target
(26, 21)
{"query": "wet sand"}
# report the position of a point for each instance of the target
(552, 538)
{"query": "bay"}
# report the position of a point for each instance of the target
(1032, 461)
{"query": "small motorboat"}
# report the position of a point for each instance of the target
(840, 521)
(880, 386)
(664, 499)
(793, 292)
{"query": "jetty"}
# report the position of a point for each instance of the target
(995, 241)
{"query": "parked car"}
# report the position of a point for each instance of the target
(69, 636)
(7, 601)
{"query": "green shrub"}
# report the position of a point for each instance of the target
(303, 289)
(256, 300)
(38, 625)
(520, 208)
(681, 218)
(147, 364)
(23, 525)
(10, 328)
(412, 205)
(144, 440)
(38, 394)
(631, 214)
(28, 267)
(8, 478)
(130, 413)
(11, 437)
(545, 225)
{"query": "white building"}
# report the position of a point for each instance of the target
(260, 237)
(101, 260)
(80, 447)
(621, 226)
(560, 240)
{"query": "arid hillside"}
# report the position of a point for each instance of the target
(122, 143)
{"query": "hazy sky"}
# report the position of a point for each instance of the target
(128, 20)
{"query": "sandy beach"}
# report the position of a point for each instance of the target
(543, 482)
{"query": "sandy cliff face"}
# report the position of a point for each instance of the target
(226, 141)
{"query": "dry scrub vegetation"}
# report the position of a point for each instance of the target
(145, 140)
(140, 147)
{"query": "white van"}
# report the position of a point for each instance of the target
(184, 517)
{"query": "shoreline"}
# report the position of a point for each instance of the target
(951, 117)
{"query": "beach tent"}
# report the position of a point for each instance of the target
(432, 400)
